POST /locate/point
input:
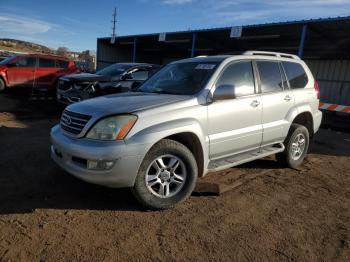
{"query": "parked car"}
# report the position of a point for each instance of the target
(116, 78)
(37, 71)
(192, 117)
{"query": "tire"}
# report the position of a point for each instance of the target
(2, 85)
(165, 188)
(289, 157)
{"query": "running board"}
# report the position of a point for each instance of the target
(231, 161)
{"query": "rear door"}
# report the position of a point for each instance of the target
(46, 72)
(234, 125)
(301, 86)
(277, 101)
(21, 72)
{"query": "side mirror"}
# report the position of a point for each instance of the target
(224, 92)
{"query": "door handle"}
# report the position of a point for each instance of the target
(288, 98)
(255, 103)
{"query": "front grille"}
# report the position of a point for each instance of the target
(73, 122)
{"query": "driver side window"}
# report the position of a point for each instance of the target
(139, 75)
(26, 62)
(241, 76)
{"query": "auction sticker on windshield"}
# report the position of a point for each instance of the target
(205, 66)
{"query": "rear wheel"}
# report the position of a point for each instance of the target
(167, 175)
(296, 144)
(2, 85)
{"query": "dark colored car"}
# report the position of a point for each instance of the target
(116, 78)
(37, 71)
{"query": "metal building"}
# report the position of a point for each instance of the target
(323, 43)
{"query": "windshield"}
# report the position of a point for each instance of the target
(181, 78)
(6, 60)
(113, 70)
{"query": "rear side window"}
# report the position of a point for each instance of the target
(270, 76)
(44, 62)
(296, 74)
(241, 76)
(62, 64)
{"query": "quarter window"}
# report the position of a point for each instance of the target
(270, 76)
(296, 74)
(44, 62)
(240, 75)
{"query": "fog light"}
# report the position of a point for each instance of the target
(100, 164)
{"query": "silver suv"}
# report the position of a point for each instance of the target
(192, 117)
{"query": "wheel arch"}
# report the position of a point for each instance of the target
(2, 77)
(188, 132)
(305, 118)
(192, 142)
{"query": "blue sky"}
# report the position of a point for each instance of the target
(77, 23)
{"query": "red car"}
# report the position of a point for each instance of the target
(37, 71)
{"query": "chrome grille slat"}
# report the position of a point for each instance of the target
(78, 129)
(77, 119)
(73, 123)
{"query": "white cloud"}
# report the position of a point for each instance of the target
(23, 25)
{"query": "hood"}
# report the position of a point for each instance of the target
(85, 77)
(124, 103)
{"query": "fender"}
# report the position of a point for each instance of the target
(157, 132)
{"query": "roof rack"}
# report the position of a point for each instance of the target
(265, 53)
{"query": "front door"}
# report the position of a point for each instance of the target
(234, 125)
(21, 72)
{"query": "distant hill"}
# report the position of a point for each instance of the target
(12, 45)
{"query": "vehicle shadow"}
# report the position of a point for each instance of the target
(30, 180)
(22, 103)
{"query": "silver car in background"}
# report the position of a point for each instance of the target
(192, 117)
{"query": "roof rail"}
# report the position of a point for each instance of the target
(283, 55)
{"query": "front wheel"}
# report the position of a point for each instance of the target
(167, 175)
(296, 144)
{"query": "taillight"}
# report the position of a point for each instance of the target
(317, 89)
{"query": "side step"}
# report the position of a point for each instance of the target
(227, 162)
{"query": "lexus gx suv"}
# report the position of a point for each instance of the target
(192, 117)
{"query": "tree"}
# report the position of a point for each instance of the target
(62, 51)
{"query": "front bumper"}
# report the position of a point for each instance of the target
(128, 158)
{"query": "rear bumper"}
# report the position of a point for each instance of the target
(65, 150)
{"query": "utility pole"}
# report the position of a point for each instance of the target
(114, 21)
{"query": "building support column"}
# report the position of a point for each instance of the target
(134, 50)
(194, 41)
(302, 41)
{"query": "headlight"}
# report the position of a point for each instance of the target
(112, 128)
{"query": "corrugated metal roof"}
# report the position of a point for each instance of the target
(305, 21)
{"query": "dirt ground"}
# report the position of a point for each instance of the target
(270, 214)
